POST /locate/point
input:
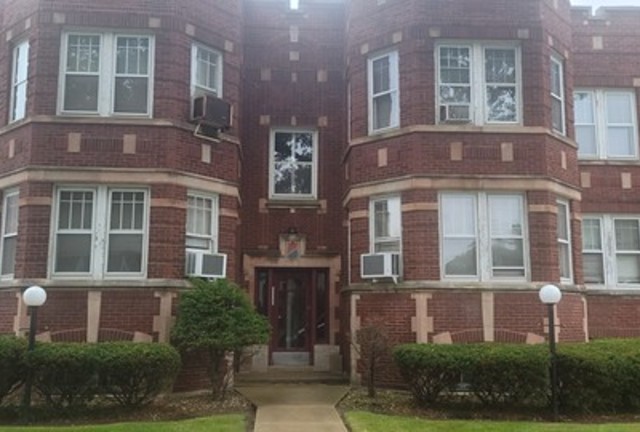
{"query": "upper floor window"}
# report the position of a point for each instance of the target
(384, 105)
(606, 124)
(106, 74)
(19, 76)
(478, 83)
(611, 250)
(293, 164)
(9, 233)
(206, 71)
(385, 222)
(564, 242)
(483, 236)
(100, 232)
(557, 95)
(202, 222)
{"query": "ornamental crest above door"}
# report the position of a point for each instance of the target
(292, 246)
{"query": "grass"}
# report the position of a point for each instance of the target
(221, 423)
(367, 422)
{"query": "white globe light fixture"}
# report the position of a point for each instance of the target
(550, 294)
(34, 296)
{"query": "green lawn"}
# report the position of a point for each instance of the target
(367, 422)
(222, 423)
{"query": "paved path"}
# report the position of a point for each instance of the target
(296, 407)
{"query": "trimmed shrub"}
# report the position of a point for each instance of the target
(69, 375)
(65, 374)
(430, 369)
(493, 373)
(600, 376)
(509, 374)
(12, 368)
(133, 374)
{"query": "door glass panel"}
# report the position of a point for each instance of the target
(292, 308)
(263, 293)
(321, 308)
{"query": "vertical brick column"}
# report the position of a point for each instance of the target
(33, 230)
(543, 236)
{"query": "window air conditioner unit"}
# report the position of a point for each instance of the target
(455, 113)
(211, 111)
(207, 265)
(380, 265)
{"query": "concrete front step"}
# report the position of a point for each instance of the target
(290, 375)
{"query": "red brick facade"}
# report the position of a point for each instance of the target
(308, 71)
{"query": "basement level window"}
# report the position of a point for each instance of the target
(294, 4)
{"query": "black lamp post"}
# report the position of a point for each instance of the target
(551, 295)
(33, 297)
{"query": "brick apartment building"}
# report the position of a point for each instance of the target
(423, 165)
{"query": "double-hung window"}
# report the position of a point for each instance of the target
(606, 124)
(100, 232)
(483, 236)
(611, 250)
(293, 161)
(106, 74)
(206, 71)
(385, 224)
(478, 83)
(19, 76)
(384, 103)
(202, 222)
(564, 242)
(557, 95)
(9, 233)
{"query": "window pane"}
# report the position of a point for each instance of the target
(283, 178)
(627, 235)
(593, 268)
(75, 210)
(11, 214)
(131, 95)
(563, 231)
(586, 138)
(500, 65)
(73, 253)
(83, 53)
(81, 93)
(628, 269)
(382, 111)
(455, 65)
(620, 141)
(618, 108)
(506, 216)
(19, 101)
(591, 235)
(381, 75)
(453, 94)
(303, 149)
(293, 167)
(386, 246)
(556, 114)
(132, 55)
(507, 253)
(460, 257)
(556, 78)
(501, 104)
(302, 177)
(583, 107)
(125, 253)
(381, 216)
(8, 255)
(459, 215)
(565, 261)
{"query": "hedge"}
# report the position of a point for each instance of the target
(493, 373)
(601, 376)
(72, 374)
(12, 370)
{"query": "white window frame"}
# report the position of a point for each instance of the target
(610, 251)
(565, 241)
(600, 125)
(394, 209)
(215, 215)
(478, 99)
(393, 91)
(106, 74)
(100, 231)
(11, 193)
(197, 89)
(483, 237)
(556, 62)
(20, 55)
(314, 165)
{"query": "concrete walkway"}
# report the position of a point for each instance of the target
(296, 407)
